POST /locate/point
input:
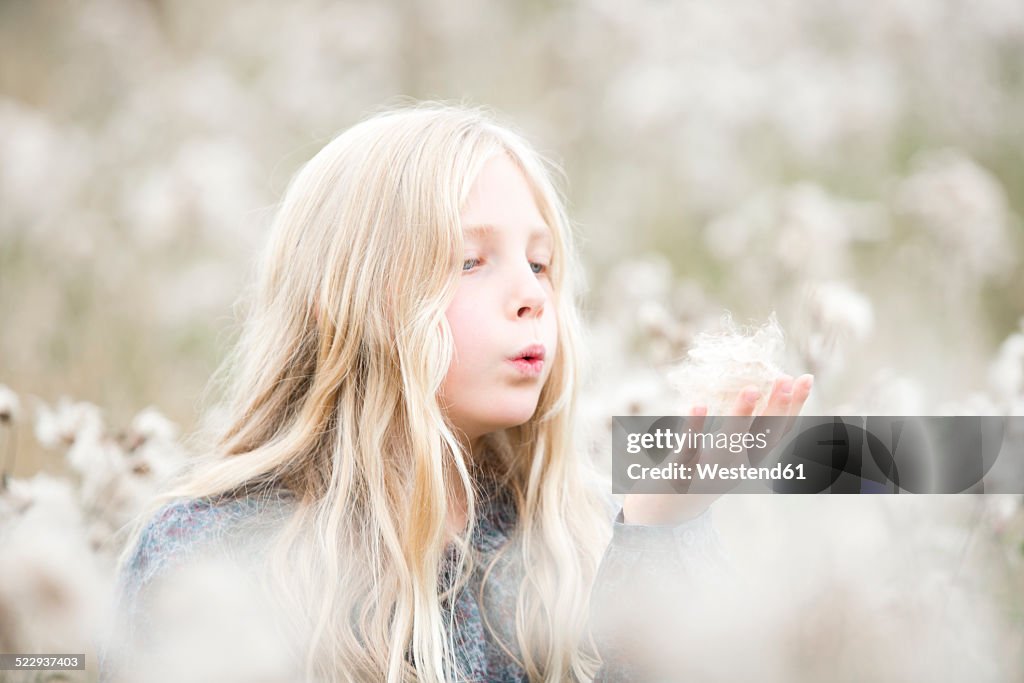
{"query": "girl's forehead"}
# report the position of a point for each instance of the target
(500, 181)
(484, 231)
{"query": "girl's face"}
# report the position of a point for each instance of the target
(503, 317)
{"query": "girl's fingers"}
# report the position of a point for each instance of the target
(801, 390)
(781, 397)
(744, 406)
(696, 424)
(786, 400)
(746, 402)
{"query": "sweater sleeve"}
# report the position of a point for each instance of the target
(647, 577)
(173, 537)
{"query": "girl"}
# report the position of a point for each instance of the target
(402, 416)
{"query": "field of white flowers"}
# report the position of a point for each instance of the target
(854, 169)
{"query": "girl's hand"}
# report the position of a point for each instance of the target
(787, 399)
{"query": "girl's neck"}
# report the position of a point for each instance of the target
(456, 512)
(457, 504)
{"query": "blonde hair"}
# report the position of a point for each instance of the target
(333, 397)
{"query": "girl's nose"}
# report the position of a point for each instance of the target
(533, 309)
(529, 296)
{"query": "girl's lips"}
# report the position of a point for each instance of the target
(528, 367)
(532, 351)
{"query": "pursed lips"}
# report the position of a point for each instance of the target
(529, 361)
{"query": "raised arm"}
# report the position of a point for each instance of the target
(647, 577)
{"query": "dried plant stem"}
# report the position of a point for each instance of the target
(10, 447)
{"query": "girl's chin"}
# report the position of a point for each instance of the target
(512, 418)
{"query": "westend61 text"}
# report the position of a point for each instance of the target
(715, 472)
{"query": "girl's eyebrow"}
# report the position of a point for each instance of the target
(537, 232)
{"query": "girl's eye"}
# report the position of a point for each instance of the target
(470, 263)
(539, 268)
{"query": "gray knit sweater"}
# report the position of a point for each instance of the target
(637, 555)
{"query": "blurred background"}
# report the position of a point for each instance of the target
(717, 157)
(855, 168)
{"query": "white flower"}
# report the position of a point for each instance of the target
(1006, 373)
(721, 363)
(52, 587)
(840, 311)
(812, 231)
(10, 406)
(1001, 509)
(151, 424)
(49, 499)
(67, 422)
(833, 314)
(97, 461)
(653, 318)
(13, 501)
(888, 393)
(35, 152)
(962, 207)
(805, 228)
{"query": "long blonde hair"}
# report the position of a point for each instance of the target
(333, 397)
